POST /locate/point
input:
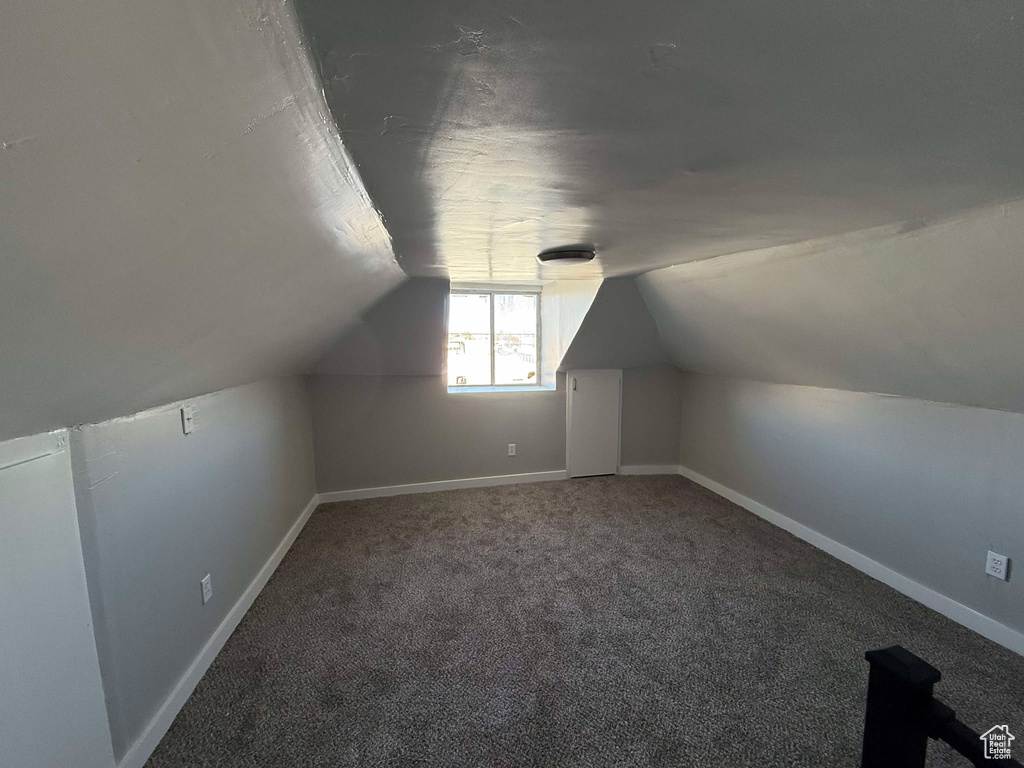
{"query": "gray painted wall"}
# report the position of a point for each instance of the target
(389, 430)
(402, 335)
(651, 404)
(618, 331)
(159, 510)
(921, 487)
(373, 431)
(51, 699)
(933, 313)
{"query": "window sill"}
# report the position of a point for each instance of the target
(478, 390)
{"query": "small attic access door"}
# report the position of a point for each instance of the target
(593, 418)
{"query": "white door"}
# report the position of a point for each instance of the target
(592, 442)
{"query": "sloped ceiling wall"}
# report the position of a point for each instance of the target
(403, 334)
(563, 308)
(618, 331)
(934, 313)
(177, 212)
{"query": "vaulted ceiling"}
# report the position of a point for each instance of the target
(196, 195)
(932, 313)
(177, 212)
(666, 131)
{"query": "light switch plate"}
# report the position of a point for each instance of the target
(187, 417)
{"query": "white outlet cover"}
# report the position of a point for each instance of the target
(511, 449)
(207, 586)
(997, 565)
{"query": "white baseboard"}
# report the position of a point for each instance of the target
(442, 485)
(143, 747)
(947, 606)
(649, 469)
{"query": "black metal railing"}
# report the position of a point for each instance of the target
(902, 715)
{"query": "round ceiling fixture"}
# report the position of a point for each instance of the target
(567, 254)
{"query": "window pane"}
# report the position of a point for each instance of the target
(469, 339)
(515, 339)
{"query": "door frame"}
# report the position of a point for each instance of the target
(568, 421)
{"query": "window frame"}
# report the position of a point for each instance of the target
(491, 293)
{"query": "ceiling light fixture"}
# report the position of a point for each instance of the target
(567, 254)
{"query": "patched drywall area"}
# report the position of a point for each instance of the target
(160, 509)
(923, 488)
(177, 211)
(933, 313)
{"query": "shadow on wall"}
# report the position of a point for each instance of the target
(403, 334)
(617, 332)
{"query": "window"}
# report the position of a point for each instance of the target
(493, 339)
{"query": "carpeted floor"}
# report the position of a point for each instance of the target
(624, 621)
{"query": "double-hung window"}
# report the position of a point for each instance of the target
(493, 338)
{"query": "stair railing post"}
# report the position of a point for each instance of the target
(897, 721)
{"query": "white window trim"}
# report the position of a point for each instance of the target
(478, 389)
(490, 291)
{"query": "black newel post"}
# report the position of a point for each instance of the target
(898, 717)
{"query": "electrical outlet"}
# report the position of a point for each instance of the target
(187, 416)
(207, 589)
(511, 449)
(997, 565)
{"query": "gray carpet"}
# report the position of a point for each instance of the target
(606, 621)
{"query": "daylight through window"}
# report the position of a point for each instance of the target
(493, 339)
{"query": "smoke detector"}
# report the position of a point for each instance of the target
(567, 254)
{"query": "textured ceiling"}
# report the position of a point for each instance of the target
(177, 212)
(666, 131)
